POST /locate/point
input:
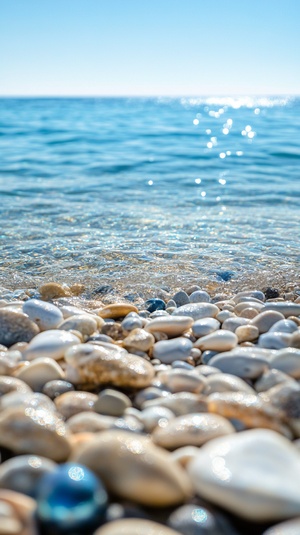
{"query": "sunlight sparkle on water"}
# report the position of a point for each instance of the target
(222, 155)
(196, 122)
(198, 180)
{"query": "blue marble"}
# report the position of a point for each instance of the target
(155, 304)
(70, 500)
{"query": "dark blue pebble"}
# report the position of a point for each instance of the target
(71, 500)
(225, 275)
(155, 304)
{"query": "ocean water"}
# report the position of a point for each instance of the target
(150, 191)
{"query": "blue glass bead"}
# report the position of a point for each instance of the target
(155, 304)
(70, 500)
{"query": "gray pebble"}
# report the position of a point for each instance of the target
(112, 403)
(169, 350)
(55, 388)
(199, 297)
(181, 298)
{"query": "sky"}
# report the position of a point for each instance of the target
(149, 47)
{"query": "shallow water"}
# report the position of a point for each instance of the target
(140, 191)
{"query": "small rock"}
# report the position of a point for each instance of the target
(155, 304)
(84, 323)
(205, 326)
(52, 343)
(139, 339)
(288, 361)
(39, 371)
(197, 311)
(168, 350)
(55, 388)
(21, 473)
(242, 362)
(16, 327)
(217, 341)
(170, 325)
(53, 290)
(89, 422)
(45, 315)
(181, 298)
(12, 384)
(71, 403)
(135, 526)
(112, 403)
(117, 310)
(199, 296)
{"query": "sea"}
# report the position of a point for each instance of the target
(150, 192)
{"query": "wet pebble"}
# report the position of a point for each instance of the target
(45, 315)
(16, 327)
(181, 298)
(155, 304)
(170, 325)
(197, 310)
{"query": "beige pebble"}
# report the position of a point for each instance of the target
(40, 371)
(133, 468)
(249, 313)
(179, 380)
(89, 422)
(171, 326)
(52, 343)
(9, 521)
(217, 341)
(23, 507)
(225, 382)
(83, 323)
(93, 364)
(191, 430)
(12, 384)
(180, 404)
(247, 333)
(184, 455)
(16, 327)
(45, 315)
(134, 526)
(117, 310)
(139, 339)
(71, 403)
(53, 290)
(34, 430)
(290, 527)
(248, 304)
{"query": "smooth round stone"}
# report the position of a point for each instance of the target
(254, 474)
(274, 340)
(100, 338)
(132, 322)
(182, 365)
(288, 361)
(97, 365)
(206, 370)
(231, 324)
(196, 520)
(205, 326)
(256, 294)
(147, 394)
(135, 469)
(184, 455)
(16, 513)
(241, 362)
(83, 323)
(169, 350)
(71, 499)
(139, 339)
(248, 304)
(70, 310)
(155, 304)
(271, 378)
(22, 473)
(291, 527)
(153, 416)
(266, 319)
(118, 310)
(217, 341)
(12, 384)
(9, 521)
(112, 403)
(55, 388)
(89, 422)
(224, 315)
(180, 404)
(52, 344)
(134, 526)
(247, 333)
(39, 371)
(284, 326)
(53, 290)
(38, 431)
(191, 430)
(225, 382)
(207, 356)
(170, 325)
(158, 314)
(177, 380)
(249, 313)
(197, 311)
(45, 315)
(199, 296)
(287, 308)
(27, 399)
(16, 327)
(181, 298)
(171, 304)
(71, 403)
(248, 408)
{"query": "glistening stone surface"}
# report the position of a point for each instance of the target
(16, 327)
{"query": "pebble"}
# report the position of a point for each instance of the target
(191, 430)
(271, 378)
(247, 333)
(132, 322)
(52, 344)
(232, 323)
(17, 512)
(89, 422)
(178, 380)
(40, 371)
(249, 313)
(274, 340)
(84, 323)
(241, 362)
(155, 304)
(266, 319)
(205, 326)
(139, 339)
(169, 350)
(238, 309)
(55, 388)
(118, 310)
(53, 290)
(170, 325)
(287, 360)
(135, 526)
(45, 315)
(192, 519)
(217, 341)
(22, 473)
(225, 382)
(112, 402)
(254, 474)
(97, 365)
(16, 327)
(155, 416)
(71, 403)
(199, 296)
(180, 404)
(12, 384)
(197, 311)
(291, 527)
(287, 308)
(181, 298)
(34, 430)
(135, 469)
(284, 326)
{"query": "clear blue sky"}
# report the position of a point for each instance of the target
(149, 47)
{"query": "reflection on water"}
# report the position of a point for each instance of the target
(140, 190)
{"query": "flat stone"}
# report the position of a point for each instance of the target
(16, 327)
(288, 361)
(89, 422)
(45, 315)
(38, 431)
(254, 474)
(39, 371)
(266, 319)
(171, 325)
(287, 308)
(191, 430)
(135, 526)
(118, 310)
(197, 311)
(205, 326)
(241, 362)
(52, 344)
(112, 403)
(84, 323)
(169, 350)
(71, 403)
(133, 468)
(97, 365)
(139, 339)
(217, 341)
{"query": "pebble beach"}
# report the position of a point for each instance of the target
(171, 414)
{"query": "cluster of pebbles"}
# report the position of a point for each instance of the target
(176, 416)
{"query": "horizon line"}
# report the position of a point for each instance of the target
(179, 95)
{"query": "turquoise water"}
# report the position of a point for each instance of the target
(133, 190)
